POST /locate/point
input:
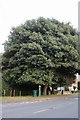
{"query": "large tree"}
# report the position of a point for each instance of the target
(40, 51)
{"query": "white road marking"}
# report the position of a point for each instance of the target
(76, 98)
(20, 103)
(45, 110)
(26, 102)
(41, 111)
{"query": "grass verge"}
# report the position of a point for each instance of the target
(30, 98)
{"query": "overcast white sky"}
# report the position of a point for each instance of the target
(15, 12)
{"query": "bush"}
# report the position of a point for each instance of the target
(66, 88)
(78, 91)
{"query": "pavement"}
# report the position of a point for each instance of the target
(63, 107)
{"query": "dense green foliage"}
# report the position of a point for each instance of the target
(0, 75)
(78, 47)
(42, 51)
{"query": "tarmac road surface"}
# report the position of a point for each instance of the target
(63, 107)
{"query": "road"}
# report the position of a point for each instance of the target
(0, 111)
(63, 107)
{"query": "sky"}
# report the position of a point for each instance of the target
(16, 12)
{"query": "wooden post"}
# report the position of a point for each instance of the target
(4, 92)
(20, 93)
(14, 93)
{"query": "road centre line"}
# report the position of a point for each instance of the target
(41, 111)
(44, 110)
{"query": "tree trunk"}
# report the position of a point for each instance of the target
(45, 90)
(11, 91)
(61, 92)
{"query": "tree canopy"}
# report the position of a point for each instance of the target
(40, 51)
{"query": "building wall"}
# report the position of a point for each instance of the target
(77, 82)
